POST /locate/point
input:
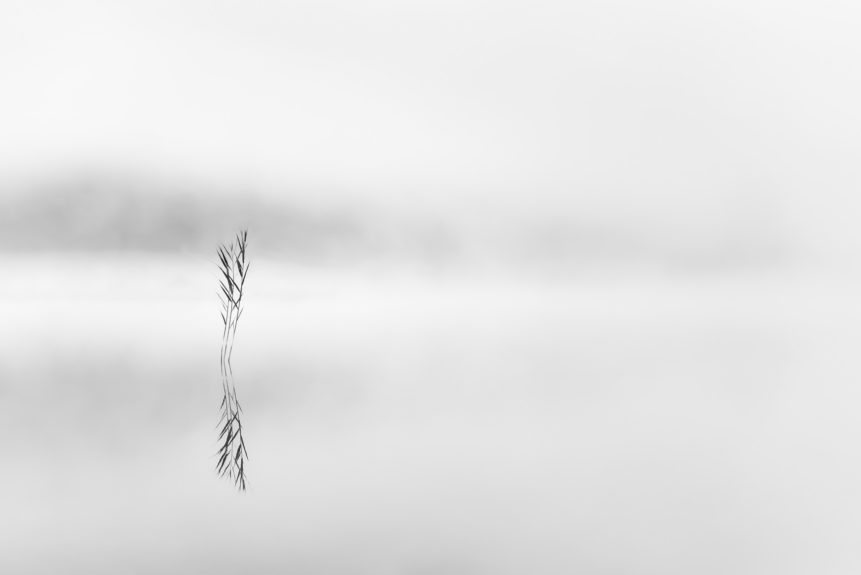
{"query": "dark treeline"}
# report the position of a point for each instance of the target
(109, 214)
(102, 214)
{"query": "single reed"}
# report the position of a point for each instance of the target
(233, 266)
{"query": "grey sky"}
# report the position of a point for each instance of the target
(680, 116)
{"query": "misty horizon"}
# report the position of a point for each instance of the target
(131, 213)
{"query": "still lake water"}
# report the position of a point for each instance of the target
(422, 423)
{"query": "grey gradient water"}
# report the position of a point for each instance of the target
(422, 422)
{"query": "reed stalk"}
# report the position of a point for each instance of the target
(233, 267)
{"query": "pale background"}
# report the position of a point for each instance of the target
(536, 288)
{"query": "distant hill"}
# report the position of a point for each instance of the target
(133, 214)
(92, 214)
